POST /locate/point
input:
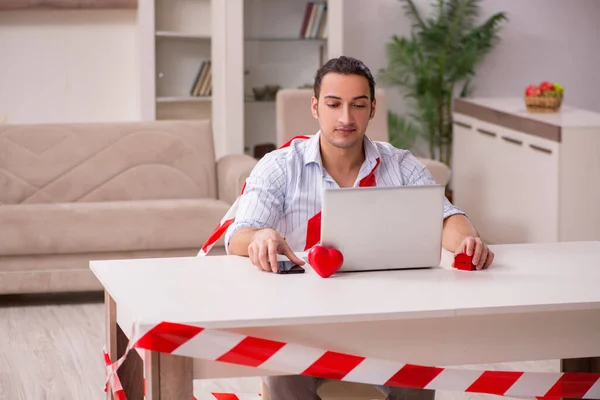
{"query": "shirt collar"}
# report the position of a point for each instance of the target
(313, 154)
(372, 157)
(313, 150)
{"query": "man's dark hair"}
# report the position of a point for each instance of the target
(346, 66)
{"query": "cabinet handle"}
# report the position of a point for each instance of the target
(511, 140)
(542, 149)
(462, 124)
(488, 133)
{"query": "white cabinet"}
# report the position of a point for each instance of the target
(525, 178)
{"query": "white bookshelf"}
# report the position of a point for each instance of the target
(176, 38)
(258, 36)
(276, 54)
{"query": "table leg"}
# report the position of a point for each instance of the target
(131, 373)
(168, 376)
(591, 364)
(110, 325)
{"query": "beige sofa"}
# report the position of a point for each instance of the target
(70, 193)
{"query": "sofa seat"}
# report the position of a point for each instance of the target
(70, 228)
(47, 247)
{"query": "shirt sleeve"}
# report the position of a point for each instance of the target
(261, 204)
(420, 175)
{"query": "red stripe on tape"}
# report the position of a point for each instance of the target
(573, 385)
(414, 376)
(225, 396)
(216, 235)
(166, 337)
(332, 365)
(494, 382)
(252, 351)
(119, 395)
(289, 142)
(370, 179)
(313, 231)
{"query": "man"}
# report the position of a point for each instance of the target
(283, 192)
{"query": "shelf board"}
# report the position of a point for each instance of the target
(183, 99)
(181, 35)
(283, 39)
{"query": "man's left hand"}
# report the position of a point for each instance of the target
(473, 246)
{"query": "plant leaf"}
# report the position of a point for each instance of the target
(441, 54)
(403, 132)
(413, 14)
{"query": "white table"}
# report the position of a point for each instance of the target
(537, 302)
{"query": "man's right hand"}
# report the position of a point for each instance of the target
(265, 246)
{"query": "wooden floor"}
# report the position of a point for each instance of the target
(51, 348)
(51, 351)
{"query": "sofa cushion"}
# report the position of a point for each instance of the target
(63, 163)
(70, 228)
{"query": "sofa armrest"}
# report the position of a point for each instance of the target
(232, 171)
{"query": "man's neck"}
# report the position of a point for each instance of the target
(342, 164)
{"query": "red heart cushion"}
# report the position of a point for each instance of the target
(463, 261)
(464, 266)
(462, 258)
(325, 261)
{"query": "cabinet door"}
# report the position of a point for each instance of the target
(523, 199)
(515, 196)
(471, 171)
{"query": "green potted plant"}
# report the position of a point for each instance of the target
(432, 66)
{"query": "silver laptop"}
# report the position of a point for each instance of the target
(382, 228)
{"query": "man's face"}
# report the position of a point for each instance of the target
(343, 109)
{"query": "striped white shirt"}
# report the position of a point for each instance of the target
(284, 189)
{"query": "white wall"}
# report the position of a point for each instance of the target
(68, 66)
(368, 26)
(81, 65)
(553, 40)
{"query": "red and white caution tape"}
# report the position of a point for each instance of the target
(119, 393)
(289, 358)
(223, 346)
(229, 217)
(305, 236)
(232, 396)
(113, 380)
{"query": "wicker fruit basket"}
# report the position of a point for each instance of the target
(547, 97)
(543, 104)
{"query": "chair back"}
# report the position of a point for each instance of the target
(294, 117)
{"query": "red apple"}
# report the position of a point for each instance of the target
(532, 90)
(546, 86)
